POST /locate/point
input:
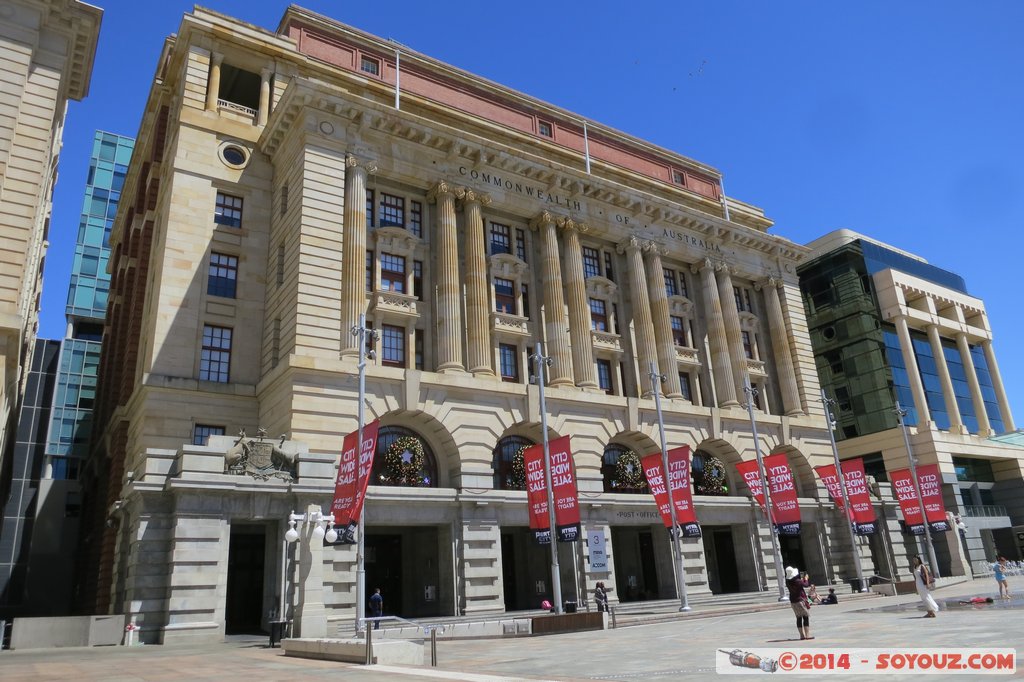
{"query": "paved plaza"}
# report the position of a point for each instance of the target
(682, 649)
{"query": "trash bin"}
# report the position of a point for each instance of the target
(855, 585)
(278, 631)
(569, 607)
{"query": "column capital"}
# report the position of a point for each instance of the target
(655, 249)
(265, 72)
(704, 264)
(217, 58)
(570, 225)
(472, 196)
(769, 283)
(542, 219)
(352, 161)
(629, 244)
(441, 190)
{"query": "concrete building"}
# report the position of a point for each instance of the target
(887, 326)
(46, 54)
(286, 182)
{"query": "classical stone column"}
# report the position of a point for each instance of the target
(584, 370)
(264, 111)
(997, 385)
(924, 416)
(721, 367)
(984, 428)
(555, 322)
(449, 300)
(733, 333)
(784, 366)
(478, 348)
(353, 256)
(643, 325)
(956, 423)
(213, 83)
(662, 324)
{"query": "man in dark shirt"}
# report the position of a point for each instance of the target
(376, 607)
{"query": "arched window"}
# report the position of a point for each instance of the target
(403, 459)
(622, 471)
(709, 475)
(505, 475)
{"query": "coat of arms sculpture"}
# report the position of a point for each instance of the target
(260, 458)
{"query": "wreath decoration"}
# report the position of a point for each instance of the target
(403, 462)
(713, 478)
(629, 472)
(517, 479)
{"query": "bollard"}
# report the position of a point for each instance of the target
(369, 644)
(433, 647)
(611, 610)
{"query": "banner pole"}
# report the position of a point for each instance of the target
(362, 332)
(900, 414)
(541, 363)
(765, 491)
(841, 478)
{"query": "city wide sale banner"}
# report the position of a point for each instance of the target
(906, 494)
(930, 480)
(785, 512)
(563, 485)
(353, 477)
(679, 483)
(862, 512)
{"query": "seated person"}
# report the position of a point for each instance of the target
(812, 595)
(831, 598)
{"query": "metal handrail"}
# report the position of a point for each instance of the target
(427, 629)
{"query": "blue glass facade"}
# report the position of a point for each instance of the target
(71, 417)
(878, 258)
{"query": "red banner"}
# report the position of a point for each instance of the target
(930, 479)
(783, 492)
(906, 493)
(350, 491)
(752, 477)
(679, 480)
(862, 513)
(345, 484)
(563, 484)
(827, 474)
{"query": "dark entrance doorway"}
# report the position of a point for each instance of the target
(403, 563)
(636, 568)
(243, 609)
(720, 553)
(526, 570)
(384, 570)
(792, 552)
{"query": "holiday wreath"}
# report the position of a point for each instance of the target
(711, 480)
(517, 479)
(403, 462)
(629, 473)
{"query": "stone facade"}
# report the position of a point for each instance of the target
(469, 223)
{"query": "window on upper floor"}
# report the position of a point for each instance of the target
(228, 210)
(417, 279)
(215, 360)
(742, 296)
(370, 65)
(392, 341)
(544, 128)
(521, 244)
(222, 279)
(604, 375)
(201, 433)
(677, 177)
(501, 238)
(508, 362)
(684, 386)
(591, 262)
(239, 86)
(679, 331)
(418, 350)
(748, 344)
(415, 218)
(369, 209)
(504, 296)
(392, 210)
(526, 300)
(598, 315)
(392, 273)
(671, 283)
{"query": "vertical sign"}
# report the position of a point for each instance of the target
(345, 485)
(903, 484)
(862, 510)
(752, 477)
(784, 503)
(563, 485)
(931, 495)
(366, 450)
(597, 544)
(536, 493)
(679, 480)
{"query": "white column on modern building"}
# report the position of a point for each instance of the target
(584, 369)
(924, 415)
(721, 367)
(662, 323)
(956, 423)
(449, 289)
(555, 323)
(733, 332)
(646, 350)
(997, 385)
(781, 351)
(978, 400)
(478, 346)
(353, 257)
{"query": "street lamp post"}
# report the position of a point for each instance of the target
(900, 416)
(364, 334)
(751, 394)
(323, 528)
(656, 380)
(540, 363)
(828, 403)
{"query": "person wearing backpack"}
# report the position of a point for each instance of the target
(923, 579)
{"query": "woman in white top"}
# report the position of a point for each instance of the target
(922, 578)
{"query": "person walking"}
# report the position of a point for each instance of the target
(797, 585)
(999, 569)
(923, 580)
(376, 607)
(601, 597)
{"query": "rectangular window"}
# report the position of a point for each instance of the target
(508, 356)
(598, 315)
(228, 210)
(392, 211)
(684, 386)
(521, 245)
(604, 375)
(670, 282)
(223, 275)
(591, 262)
(418, 337)
(393, 346)
(748, 345)
(615, 319)
(280, 265)
(416, 218)
(677, 177)
(501, 241)
(683, 291)
(679, 331)
(608, 272)
(392, 273)
(201, 433)
(526, 301)
(370, 65)
(742, 296)
(504, 296)
(369, 209)
(417, 279)
(544, 128)
(369, 270)
(215, 361)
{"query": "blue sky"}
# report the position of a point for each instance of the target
(899, 120)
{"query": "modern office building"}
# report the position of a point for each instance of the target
(889, 327)
(284, 184)
(46, 56)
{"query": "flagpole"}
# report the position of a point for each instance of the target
(841, 478)
(362, 332)
(765, 492)
(900, 414)
(684, 604)
(540, 363)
